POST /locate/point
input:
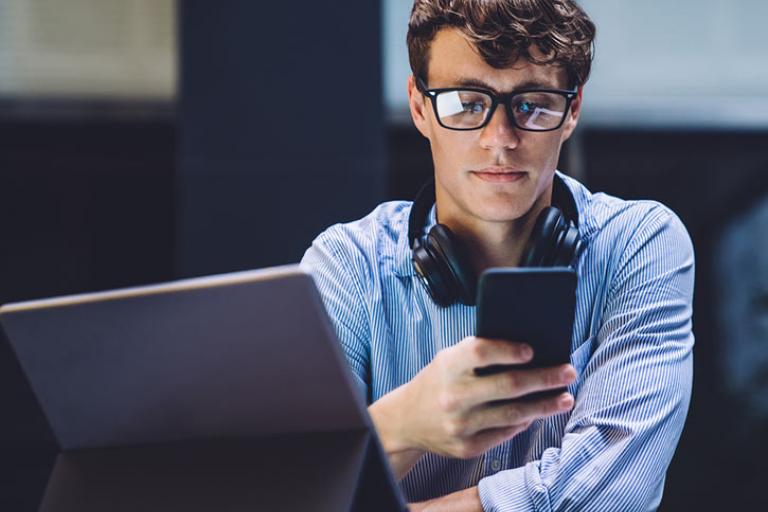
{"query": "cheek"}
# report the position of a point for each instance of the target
(451, 150)
(544, 149)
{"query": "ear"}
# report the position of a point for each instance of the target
(573, 114)
(417, 103)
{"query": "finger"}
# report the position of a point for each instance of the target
(511, 414)
(512, 383)
(481, 352)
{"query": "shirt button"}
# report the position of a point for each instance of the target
(495, 464)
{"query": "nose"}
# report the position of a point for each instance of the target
(499, 132)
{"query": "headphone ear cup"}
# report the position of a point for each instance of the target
(428, 271)
(554, 241)
(452, 258)
(570, 247)
(541, 247)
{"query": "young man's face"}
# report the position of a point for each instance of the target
(467, 195)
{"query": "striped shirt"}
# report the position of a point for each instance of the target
(631, 347)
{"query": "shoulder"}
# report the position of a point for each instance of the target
(616, 223)
(368, 243)
(379, 229)
(631, 241)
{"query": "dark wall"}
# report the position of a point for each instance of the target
(87, 203)
(281, 128)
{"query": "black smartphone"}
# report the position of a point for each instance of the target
(533, 305)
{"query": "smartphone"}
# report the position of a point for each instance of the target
(533, 305)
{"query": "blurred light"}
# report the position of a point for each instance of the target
(88, 49)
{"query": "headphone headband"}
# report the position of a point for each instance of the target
(422, 203)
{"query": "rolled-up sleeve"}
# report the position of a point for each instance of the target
(634, 393)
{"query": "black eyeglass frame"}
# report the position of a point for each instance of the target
(496, 99)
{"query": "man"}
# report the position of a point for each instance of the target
(456, 439)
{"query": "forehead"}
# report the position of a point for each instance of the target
(453, 59)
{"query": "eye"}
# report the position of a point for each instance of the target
(473, 107)
(526, 107)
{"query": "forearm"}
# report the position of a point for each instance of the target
(402, 462)
(616, 449)
(467, 500)
(386, 418)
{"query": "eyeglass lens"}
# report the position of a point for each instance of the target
(532, 110)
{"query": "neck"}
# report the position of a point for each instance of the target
(496, 244)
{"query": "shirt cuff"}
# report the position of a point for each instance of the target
(514, 489)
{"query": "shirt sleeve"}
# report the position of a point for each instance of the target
(634, 392)
(335, 269)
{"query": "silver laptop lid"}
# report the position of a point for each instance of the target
(231, 356)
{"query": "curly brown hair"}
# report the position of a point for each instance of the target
(505, 30)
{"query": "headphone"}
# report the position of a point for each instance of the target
(442, 261)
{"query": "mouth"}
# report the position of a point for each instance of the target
(499, 174)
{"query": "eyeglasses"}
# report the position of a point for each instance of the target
(469, 108)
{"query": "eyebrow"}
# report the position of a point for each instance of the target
(529, 84)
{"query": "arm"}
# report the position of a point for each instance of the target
(634, 394)
(385, 415)
(337, 276)
(467, 500)
(446, 408)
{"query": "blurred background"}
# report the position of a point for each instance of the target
(148, 140)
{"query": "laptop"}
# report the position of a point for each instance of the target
(227, 392)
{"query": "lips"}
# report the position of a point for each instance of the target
(499, 175)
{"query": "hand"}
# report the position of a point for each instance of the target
(449, 410)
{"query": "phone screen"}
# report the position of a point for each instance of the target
(529, 305)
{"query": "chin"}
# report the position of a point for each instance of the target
(504, 204)
(501, 213)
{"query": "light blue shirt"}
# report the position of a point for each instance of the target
(631, 347)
